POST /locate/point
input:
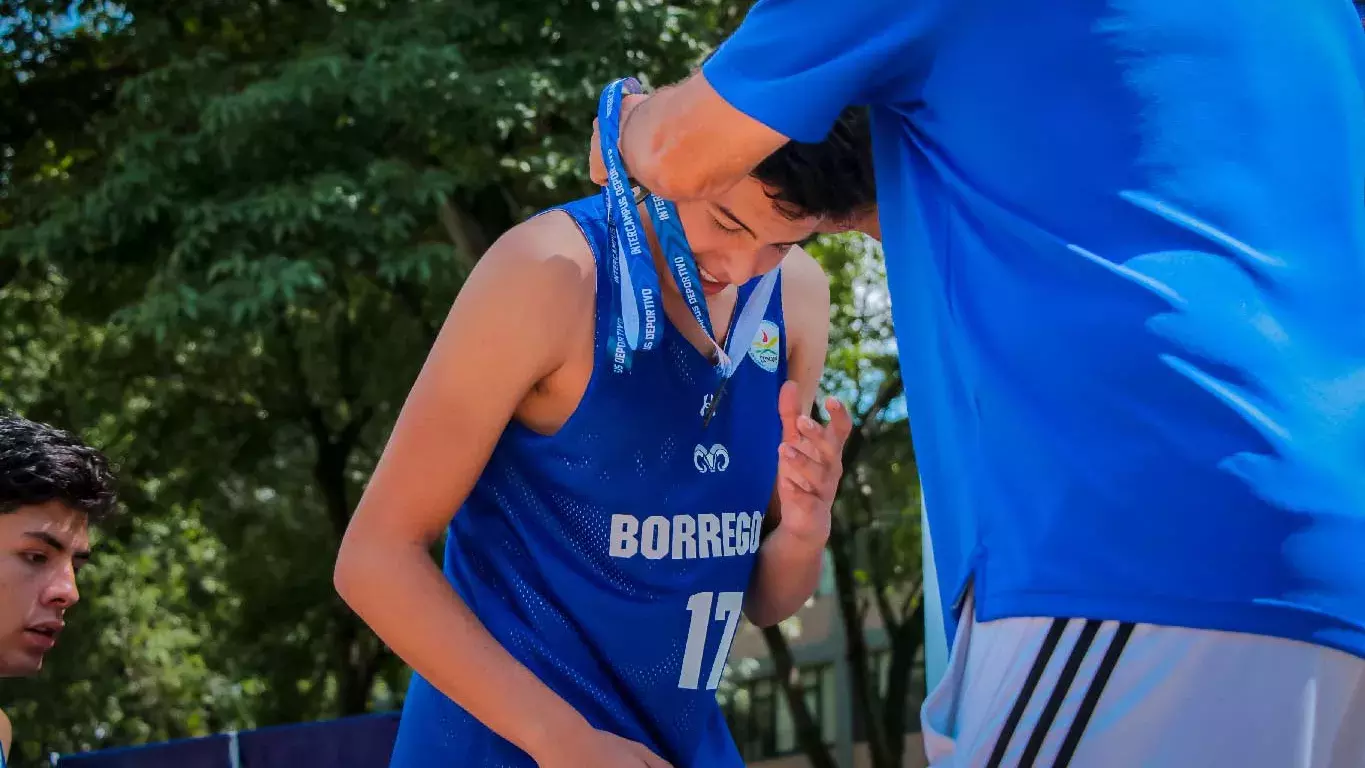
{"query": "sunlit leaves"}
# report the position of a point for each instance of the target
(240, 225)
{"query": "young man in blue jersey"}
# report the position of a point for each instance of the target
(607, 515)
(51, 487)
(1126, 253)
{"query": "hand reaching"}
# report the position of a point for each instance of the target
(596, 169)
(809, 465)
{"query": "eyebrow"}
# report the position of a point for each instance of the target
(734, 218)
(57, 544)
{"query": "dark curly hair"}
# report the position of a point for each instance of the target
(832, 179)
(40, 464)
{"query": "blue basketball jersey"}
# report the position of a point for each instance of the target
(612, 558)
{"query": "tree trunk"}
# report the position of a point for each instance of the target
(329, 471)
(465, 234)
(357, 665)
(9, 270)
(906, 640)
(808, 733)
(356, 661)
(866, 709)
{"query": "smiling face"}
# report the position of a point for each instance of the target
(740, 235)
(42, 547)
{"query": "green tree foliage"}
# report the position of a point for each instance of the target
(228, 234)
(231, 231)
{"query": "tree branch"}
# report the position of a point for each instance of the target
(890, 389)
(345, 343)
(913, 600)
(464, 233)
(876, 572)
(303, 397)
(348, 383)
(329, 468)
(411, 297)
(879, 591)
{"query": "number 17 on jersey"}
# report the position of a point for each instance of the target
(727, 609)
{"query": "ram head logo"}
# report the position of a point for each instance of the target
(714, 459)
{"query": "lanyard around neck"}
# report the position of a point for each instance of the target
(637, 325)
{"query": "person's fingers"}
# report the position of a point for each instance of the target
(810, 449)
(840, 421)
(789, 409)
(597, 169)
(820, 442)
(648, 757)
(800, 470)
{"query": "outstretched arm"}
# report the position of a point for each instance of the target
(785, 74)
(685, 142)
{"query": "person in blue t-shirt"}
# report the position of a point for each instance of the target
(52, 486)
(1125, 244)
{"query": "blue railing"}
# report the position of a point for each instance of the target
(353, 742)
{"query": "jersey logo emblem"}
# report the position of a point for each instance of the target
(764, 349)
(714, 459)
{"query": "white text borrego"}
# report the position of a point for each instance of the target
(686, 537)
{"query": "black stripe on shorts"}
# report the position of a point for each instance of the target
(1059, 691)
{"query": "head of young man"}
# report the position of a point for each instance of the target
(796, 192)
(52, 486)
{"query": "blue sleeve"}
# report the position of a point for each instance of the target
(794, 65)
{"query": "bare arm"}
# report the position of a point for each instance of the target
(787, 574)
(517, 299)
(785, 74)
(790, 559)
(685, 142)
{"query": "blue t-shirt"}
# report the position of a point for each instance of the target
(1126, 251)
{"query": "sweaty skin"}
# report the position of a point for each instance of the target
(534, 291)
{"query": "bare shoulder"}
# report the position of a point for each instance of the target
(532, 290)
(805, 293)
(545, 252)
(805, 308)
(553, 234)
(803, 278)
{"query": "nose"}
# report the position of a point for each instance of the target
(61, 591)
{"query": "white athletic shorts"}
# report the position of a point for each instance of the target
(1090, 694)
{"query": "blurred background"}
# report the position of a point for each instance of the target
(229, 231)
